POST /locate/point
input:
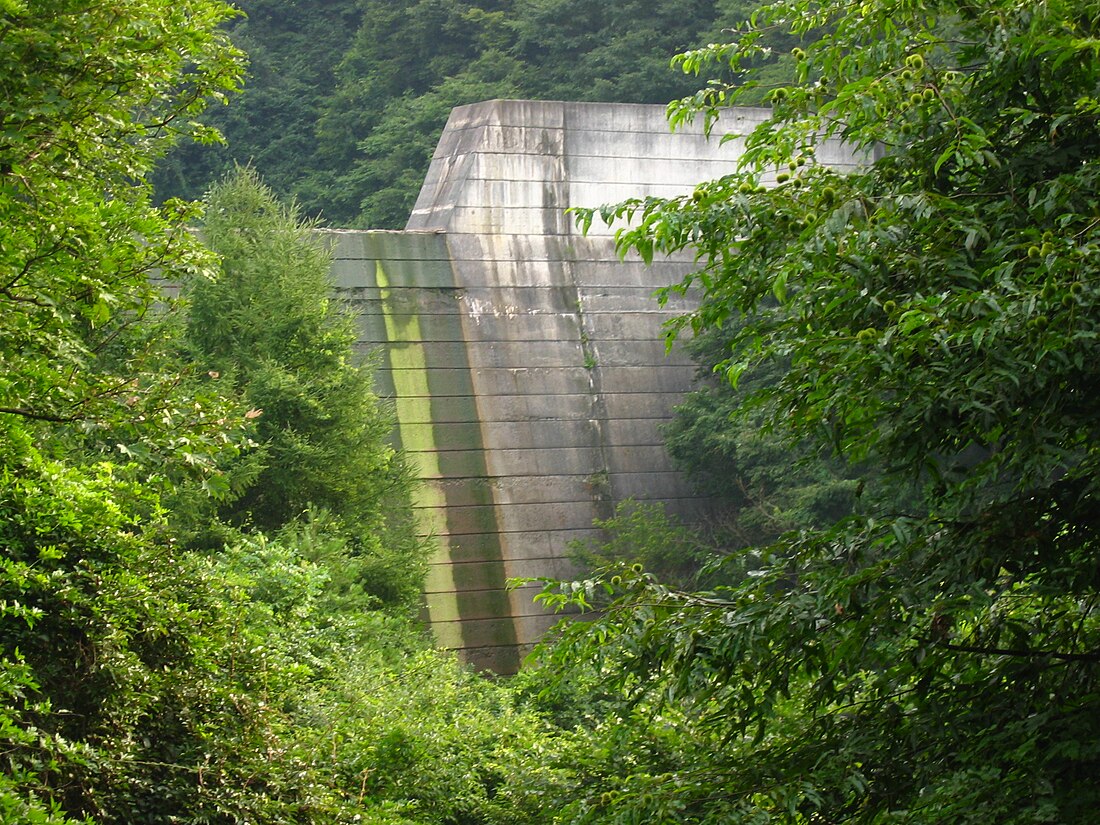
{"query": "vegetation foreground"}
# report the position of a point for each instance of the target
(209, 573)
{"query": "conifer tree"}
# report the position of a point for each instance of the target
(271, 327)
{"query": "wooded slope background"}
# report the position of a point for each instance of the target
(345, 99)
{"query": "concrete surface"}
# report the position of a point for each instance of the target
(526, 361)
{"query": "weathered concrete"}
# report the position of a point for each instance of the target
(526, 361)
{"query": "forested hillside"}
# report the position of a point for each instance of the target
(345, 99)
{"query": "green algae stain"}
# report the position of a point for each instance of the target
(467, 604)
(409, 371)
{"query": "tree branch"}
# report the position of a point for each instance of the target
(37, 416)
(1023, 653)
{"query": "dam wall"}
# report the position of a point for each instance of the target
(526, 361)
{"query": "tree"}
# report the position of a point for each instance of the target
(293, 49)
(936, 314)
(763, 485)
(98, 619)
(571, 50)
(87, 111)
(269, 328)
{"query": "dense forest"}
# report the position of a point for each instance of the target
(209, 575)
(345, 99)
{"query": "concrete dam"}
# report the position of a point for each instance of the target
(525, 360)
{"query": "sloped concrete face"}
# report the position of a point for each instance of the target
(526, 361)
